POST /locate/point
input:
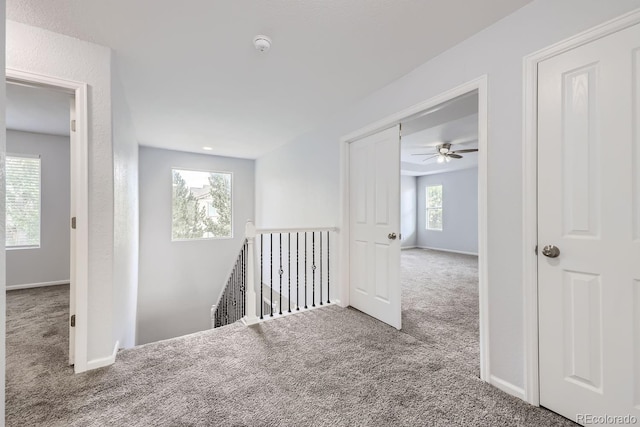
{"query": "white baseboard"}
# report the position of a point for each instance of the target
(448, 250)
(507, 387)
(105, 361)
(408, 247)
(37, 285)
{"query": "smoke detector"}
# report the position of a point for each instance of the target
(262, 43)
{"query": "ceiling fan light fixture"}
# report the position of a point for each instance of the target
(440, 159)
(448, 159)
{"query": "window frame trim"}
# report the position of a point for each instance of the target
(195, 239)
(27, 156)
(428, 208)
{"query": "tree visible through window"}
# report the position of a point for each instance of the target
(201, 205)
(22, 201)
(434, 207)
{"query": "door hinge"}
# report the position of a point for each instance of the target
(73, 125)
(73, 320)
(73, 223)
(536, 250)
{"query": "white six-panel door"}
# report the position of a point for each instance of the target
(589, 208)
(374, 224)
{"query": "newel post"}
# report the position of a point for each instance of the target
(250, 317)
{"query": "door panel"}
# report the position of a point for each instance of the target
(374, 195)
(588, 124)
(580, 148)
(583, 329)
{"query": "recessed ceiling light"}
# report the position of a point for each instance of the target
(207, 148)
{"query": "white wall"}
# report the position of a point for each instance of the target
(408, 220)
(298, 184)
(125, 224)
(180, 281)
(459, 211)
(44, 52)
(49, 262)
(3, 296)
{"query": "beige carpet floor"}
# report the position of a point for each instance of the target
(440, 304)
(326, 367)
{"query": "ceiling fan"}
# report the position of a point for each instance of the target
(445, 154)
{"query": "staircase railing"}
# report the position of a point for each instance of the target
(295, 269)
(278, 272)
(231, 305)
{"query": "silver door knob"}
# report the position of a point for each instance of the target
(392, 236)
(551, 251)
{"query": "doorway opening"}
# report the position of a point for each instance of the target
(38, 239)
(47, 221)
(380, 246)
(439, 226)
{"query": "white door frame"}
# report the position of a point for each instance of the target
(530, 189)
(479, 84)
(79, 176)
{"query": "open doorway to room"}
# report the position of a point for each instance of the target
(373, 159)
(439, 222)
(38, 243)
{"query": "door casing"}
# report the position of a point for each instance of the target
(530, 189)
(479, 85)
(80, 200)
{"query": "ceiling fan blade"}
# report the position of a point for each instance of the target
(467, 150)
(463, 141)
(423, 154)
(429, 158)
(454, 156)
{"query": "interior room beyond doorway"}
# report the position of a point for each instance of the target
(439, 223)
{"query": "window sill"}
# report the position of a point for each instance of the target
(16, 248)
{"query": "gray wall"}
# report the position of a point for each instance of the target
(180, 281)
(459, 211)
(408, 220)
(49, 262)
(292, 191)
(125, 217)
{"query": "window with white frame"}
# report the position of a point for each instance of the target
(434, 207)
(22, 201)
(201, 205)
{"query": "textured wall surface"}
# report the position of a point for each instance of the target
(181, 280)
(49, 262)
(39, 51)
(299, 184)
(125, 217)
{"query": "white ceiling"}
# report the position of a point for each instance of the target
(455, 122)
(37, 110)
(193, 78)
